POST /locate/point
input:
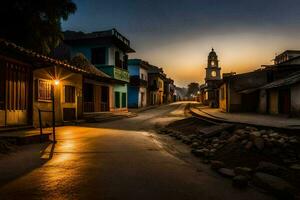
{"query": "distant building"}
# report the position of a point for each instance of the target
(210, 90)
(138, 87)
(288, 57)
(156, 78)
(169, 90)
(180, 93)
(238, 91)
(107, 50)
(273, 89)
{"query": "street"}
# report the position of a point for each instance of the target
(123, 159)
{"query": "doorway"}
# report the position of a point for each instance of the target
(104, 98)
(284, 101)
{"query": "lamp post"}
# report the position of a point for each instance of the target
(56, 82)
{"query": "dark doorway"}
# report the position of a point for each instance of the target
(69, 114)
(250, 102)
(88, 97)
(104, 98)
(284, 101)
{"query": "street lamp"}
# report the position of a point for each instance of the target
(55, 83)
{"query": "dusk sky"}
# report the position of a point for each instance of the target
(178, 35)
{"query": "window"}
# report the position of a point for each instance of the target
(125, 62)
(44, 90)
(117, 99)
(69, 94)
(124, 100)
(118, 62)
(99, 55)
(142, 76)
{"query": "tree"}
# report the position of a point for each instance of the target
(193, 88)
(34, 24)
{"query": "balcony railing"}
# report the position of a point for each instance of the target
(121, 74)
(137, 81)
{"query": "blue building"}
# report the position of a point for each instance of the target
(107, 50)
(137, 89)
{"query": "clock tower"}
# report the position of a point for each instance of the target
(213, 80)
(213, 71)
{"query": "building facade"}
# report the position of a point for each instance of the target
(27, 82)
(138, 87)
(156, 78)
(273, 89)
(107, 50)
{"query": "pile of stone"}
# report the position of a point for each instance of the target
(248, 139)
(264, 176)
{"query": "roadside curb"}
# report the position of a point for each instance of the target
(221, 120)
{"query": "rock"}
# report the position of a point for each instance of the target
(245, 171)
(293, 141)
(178, 137)
(278, 186)
(192, 136)
(229, 173)
(250, 128)
(233, 138)
(200, 152)
(281, 141)
(186, 140)
(274, 135)
(240, 181)
(249, 145)
(295, 167)
(271, 168)
(259, 143)
(215, 164)
(263, 132)
(244, 142)
(239, 132)
(253, 135)
(216, 140)
(195, 145)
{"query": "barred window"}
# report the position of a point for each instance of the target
(44, 90)
(69, 94)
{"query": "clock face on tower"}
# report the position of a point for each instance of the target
(212, 63)
(213, 74)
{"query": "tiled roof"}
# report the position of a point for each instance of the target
(6, 45)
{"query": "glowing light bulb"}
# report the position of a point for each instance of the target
(56, 82)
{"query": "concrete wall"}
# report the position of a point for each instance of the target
(143, 72)
(133, 97)
(262, 101)
(133, 70)
(223, 98)
(144, 102)
(273, 101)
(122, 89)
(66, 78)
(86, 50)
(295, 99)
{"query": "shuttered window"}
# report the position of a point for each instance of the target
(43, 90)
(69, 94)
